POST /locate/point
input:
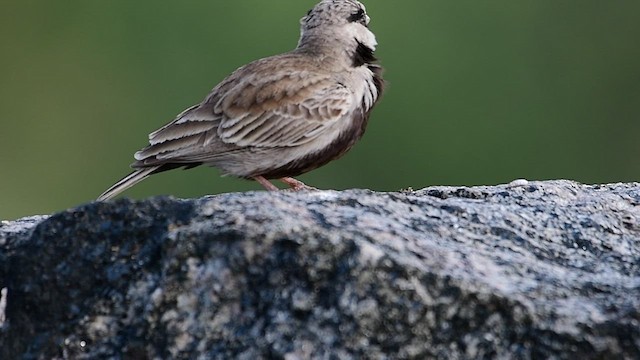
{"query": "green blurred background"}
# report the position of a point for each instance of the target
(481, 92)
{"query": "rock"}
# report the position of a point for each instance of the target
(519, 271)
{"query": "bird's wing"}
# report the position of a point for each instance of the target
(280, 109)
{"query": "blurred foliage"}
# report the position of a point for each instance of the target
(481, 92)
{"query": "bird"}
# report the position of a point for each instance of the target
(280, 116)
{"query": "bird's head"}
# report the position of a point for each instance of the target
(339, 23)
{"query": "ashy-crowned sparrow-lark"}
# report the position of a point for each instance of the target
(280, 116)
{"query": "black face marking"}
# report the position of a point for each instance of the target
(363, 55)
(356, 16)
(378, 82)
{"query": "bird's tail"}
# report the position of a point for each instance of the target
(127, 182)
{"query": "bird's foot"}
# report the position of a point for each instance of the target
(266, 183)
(296, 185)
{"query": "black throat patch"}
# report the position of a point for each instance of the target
(363, 55)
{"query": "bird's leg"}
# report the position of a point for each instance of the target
(296, 185)
(266, 183)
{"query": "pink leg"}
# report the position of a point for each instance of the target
(296, 185)
(266, 183)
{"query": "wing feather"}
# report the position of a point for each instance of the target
(285, 112)
(194, 120)
(161, 150)
(183, 135)
(178, 131)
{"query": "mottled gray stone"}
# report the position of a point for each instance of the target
(520, 271)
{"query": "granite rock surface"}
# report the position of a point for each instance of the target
(521, 271)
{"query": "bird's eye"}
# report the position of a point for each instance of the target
(356, 16)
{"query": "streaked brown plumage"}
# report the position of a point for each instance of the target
(280, 116)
